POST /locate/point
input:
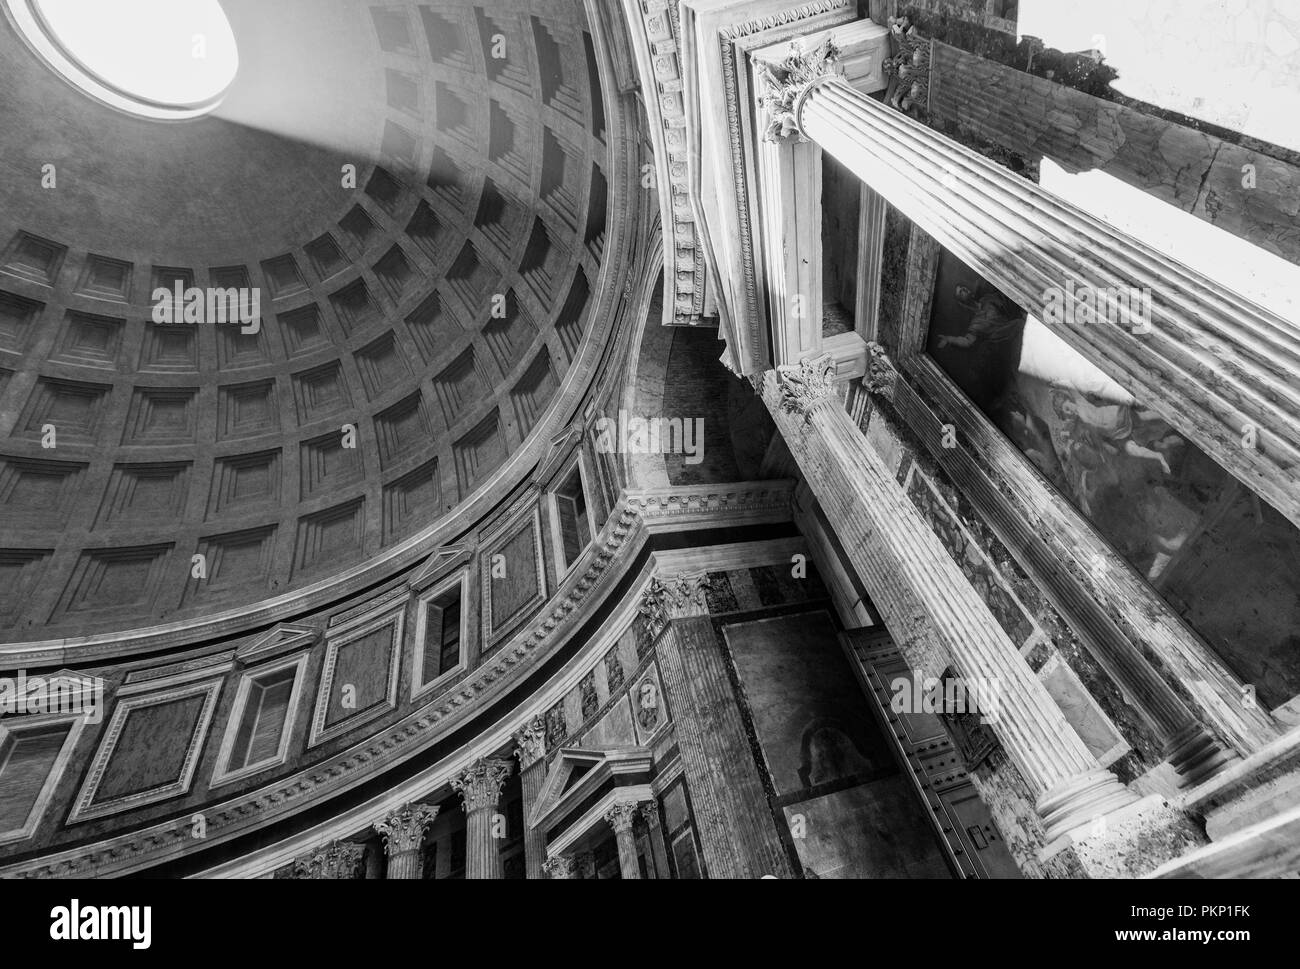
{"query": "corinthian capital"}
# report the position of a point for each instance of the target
(334, 860)
(561, 866)
(787, 82)
(480, 784)
(806, 384)
(881, 375)
(674, 597)
(530, 742)
(621, 816)
(403, 830)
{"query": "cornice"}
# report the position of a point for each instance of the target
(654, 25)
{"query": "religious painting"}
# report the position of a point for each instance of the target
(812, 721)
(1223, 559)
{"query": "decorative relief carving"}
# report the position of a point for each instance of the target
(530, 742)
(881, 376)
(621, 816)
(684, 268)
(787, 82)
(403, 830)
(908, 69)
(561, 866)
(650, 813)
(806, 384)
(336, 860)
(673, 597)
(480, 784)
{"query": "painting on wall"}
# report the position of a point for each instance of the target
(812, 720)
(1222, 558)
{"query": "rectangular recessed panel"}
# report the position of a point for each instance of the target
(150, 752)
(361, 672)
(412, 501)
(34, 258)
(518, 584)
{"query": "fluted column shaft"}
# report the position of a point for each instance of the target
(896, 554)
(1236, 358)
(620, 818)
(655, 830)
(480, 788)
(530, 748)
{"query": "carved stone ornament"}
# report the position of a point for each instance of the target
(679, 595)
(881, 377)
(908, 68)
(336, 860)
(403, 830)
(561, 866)
(650, 812)
(480, 784)
(621, 816)
(789, 80)
(530, 742)
(806, 384)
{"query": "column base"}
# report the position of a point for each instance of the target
(1130, 841)
(1196, 755)
(1081, 800)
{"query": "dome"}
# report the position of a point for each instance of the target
(382, 242)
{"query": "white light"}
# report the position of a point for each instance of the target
(159, 58)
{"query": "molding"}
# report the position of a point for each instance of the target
(654, 27)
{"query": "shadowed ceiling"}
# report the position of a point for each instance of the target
(429, 312)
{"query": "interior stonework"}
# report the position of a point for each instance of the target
(655, 439)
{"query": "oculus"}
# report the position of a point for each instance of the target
(170, 60)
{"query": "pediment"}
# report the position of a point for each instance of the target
(577, 771)
(284, 638)
(437, 565)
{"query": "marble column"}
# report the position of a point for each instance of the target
(655, 831)
(1217, 366)
(561, 867)
(919, 589)
(335, 861)
(584, 865)
(480, 788)
(403, 834)
(620, 818)
(738, 836)
(530, 749)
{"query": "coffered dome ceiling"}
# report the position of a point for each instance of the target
(427, 309)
